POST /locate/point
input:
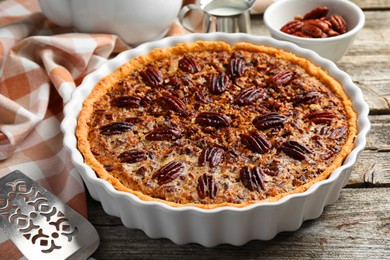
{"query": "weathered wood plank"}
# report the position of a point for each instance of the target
(373, 165)
(367, 61)
(379, 136)
(372, 169)
(372, 4)
(357, 226)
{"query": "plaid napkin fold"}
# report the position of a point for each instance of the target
(40, 65)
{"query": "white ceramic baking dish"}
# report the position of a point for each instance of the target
(229, 225)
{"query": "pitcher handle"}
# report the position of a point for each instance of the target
(192, 7)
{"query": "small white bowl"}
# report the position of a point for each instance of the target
(332, 48)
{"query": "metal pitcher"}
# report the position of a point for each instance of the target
(217, 16)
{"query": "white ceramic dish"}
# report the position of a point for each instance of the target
(333, 48)
(221, 225)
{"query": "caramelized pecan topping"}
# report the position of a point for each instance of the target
(308, 97)
(189, 65)
(248, 96)
(116, 128)
(133, 120)
(200, 96)
(319, 117)
(269, 120)
(218, 83)
(281, 78)
(211, 156)
(126, 102)
(252, 179)
(207, 186)
(338, 133)
(152, 76)
(295, 150)
(214, 119)
(163, 134)
(141, 171)
(132, 156)
(236, 67)
(172, 103)
(168, 172)
(256, 141)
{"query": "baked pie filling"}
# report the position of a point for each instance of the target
(208, 124)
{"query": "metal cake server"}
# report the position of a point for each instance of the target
(41, 225)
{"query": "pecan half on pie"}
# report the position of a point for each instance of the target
(208, 124)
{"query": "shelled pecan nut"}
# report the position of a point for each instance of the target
(207, 186)
(132, 156)
(332, 33)
(319, 117)
(218, 83)
(172, 103)
(321, 24)
(292, 27)
(269, 120)
(339, 24)
(316, 24)
(211, 156)
(256, 141)
(200, 96)
(312, 30)
(189, 65)
(236, 67)
(126, 102)
(164, 133)
(308, 97)
(248, 96)
(338, 133)
(252, 179)
(152, 76)
(301, 34)
(214, 119)
(316, 13)
(295, 150)
(281, 78)
(116, 128)
(168, 172)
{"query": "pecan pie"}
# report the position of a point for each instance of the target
(208, 124)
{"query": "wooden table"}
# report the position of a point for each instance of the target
(357, 226)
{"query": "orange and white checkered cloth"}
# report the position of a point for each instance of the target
(40, 65)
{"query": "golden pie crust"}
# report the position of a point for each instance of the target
(208, 124)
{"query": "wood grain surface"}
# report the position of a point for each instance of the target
(357, 226)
